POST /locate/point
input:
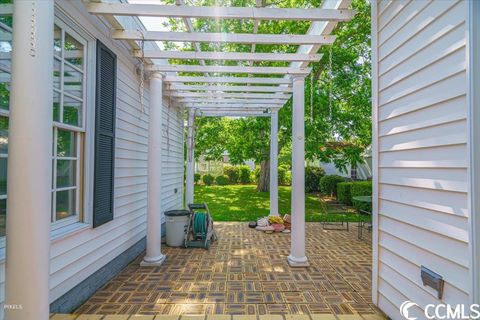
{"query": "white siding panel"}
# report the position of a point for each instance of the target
(410, 272)
(455, 274)
(440, 91)
(444, 112)
(437, 200)
(422, 152)
(438, 157)
(447, 134)
(426, 240)
(446, 45)
(453, 226)
(394, 8)
(436, 12)
(428, 178)
(446, 67)
(406, 14)
(421, 35)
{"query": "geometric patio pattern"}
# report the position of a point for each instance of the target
(246, 272)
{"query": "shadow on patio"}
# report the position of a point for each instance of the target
(246, 272)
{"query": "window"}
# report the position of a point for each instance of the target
(69, 89)
(69, 122)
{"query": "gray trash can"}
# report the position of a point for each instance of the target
(177, 223)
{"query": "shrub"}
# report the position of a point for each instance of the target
(197, 177)
(255, 175)
(312, 178)
(222, 180)
(208, 179)
(361, 205)
(232, 173)
(284, 176)
(362, 188)
(244, 174)
(328, 184)
(344, 192)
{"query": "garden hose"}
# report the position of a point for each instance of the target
(199, 225)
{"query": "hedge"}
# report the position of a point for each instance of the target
(222, 180)
(344, 192)
(197, 177)
(208, 179)
(232, 173)
(347, 190)
(244, 174)
(312, 178)
(284, 176)
(362, 188)
(328, 184)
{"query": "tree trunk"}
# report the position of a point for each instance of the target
(263, 184)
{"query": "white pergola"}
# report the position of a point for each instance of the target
(225, 90)
(218, 89)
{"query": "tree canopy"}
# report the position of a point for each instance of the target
(337, 94)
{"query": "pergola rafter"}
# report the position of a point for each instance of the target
(221, 88)
(243, 89)
(226, 56)
(227, 69)
(243, 38)
(182, 11)
(216, 95)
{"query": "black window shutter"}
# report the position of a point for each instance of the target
(105, 103)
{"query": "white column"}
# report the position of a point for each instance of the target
(297, 257)
(30, 162)
(154, 256)
(190, 157)
(274, 163)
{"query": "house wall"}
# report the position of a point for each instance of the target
(420, 152)
(77, 254)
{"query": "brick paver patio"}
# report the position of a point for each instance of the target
(246, 272)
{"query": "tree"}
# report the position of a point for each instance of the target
(337, 122)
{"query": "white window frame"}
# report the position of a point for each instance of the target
(85, 198)
(79, 132)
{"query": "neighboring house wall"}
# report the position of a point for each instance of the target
(420, 152)
(364, 170)
(78, 253)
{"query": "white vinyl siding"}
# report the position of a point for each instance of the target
(422, 152)
(77, 254)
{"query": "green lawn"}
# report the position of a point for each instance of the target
(244, 203)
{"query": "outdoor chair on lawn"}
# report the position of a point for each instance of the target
(365, 202)
(340, 225)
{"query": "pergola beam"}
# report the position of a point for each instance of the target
(321, 27)
(229, 88)
(228, 69)
(245, 38)
(233, 114)
(153, 10)
(241, 108)
(215, 95)
(233, 105)
(258, 80)
(223, 101)
(227, 56)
